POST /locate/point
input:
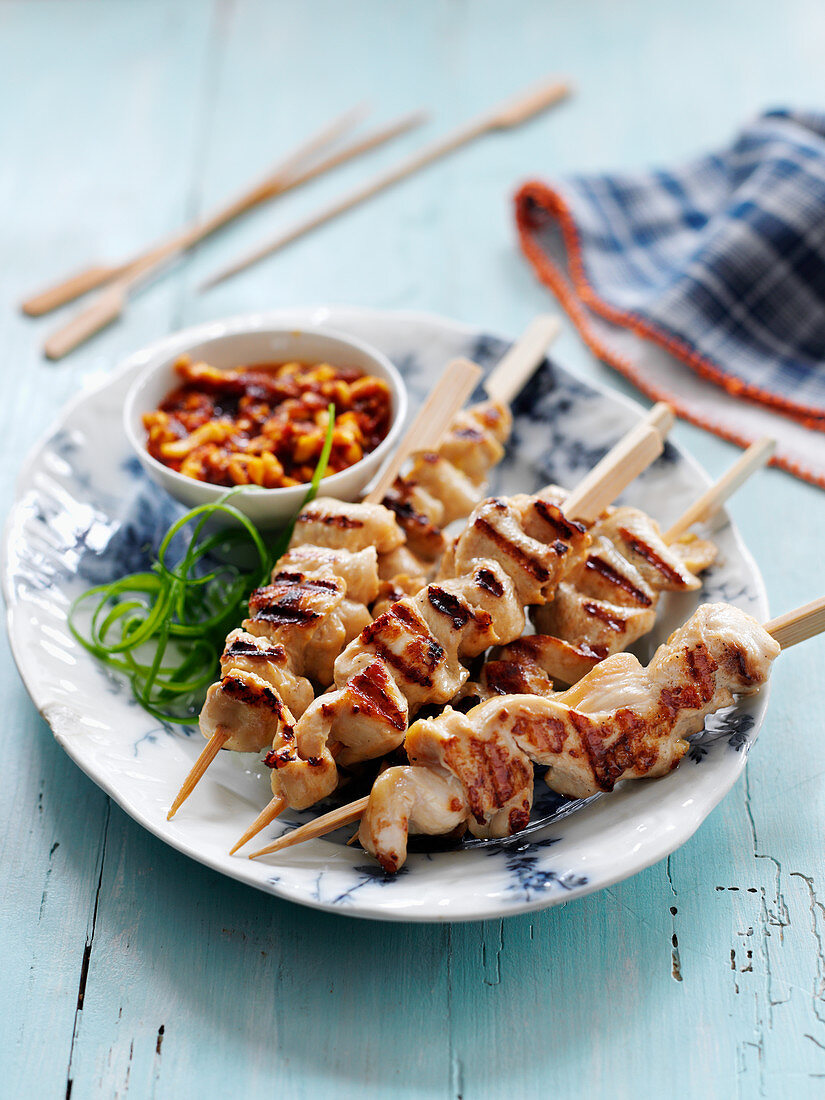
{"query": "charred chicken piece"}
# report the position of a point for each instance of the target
(621, 721)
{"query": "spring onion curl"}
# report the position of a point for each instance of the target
(165, 627)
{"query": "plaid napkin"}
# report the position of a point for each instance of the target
(704, 285)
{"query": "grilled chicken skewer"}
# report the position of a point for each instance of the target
(330, 525)
(310, 613)
(621, 721)
(610, 600)
(417, 644)
(307, 613)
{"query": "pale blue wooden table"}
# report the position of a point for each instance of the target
(124, 967)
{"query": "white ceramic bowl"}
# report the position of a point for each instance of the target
(241, 343)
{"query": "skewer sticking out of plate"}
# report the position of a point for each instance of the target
(425, 434)
(706, 505)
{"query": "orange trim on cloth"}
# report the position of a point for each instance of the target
(572, 296)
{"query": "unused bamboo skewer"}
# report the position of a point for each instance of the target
(71, 287)
(788, 629)
(512, 113)
(125, 281)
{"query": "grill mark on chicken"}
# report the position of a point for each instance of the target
(508, 549)
(651, 557)
(422, 652)
(372, 689)
(737, 663)
(336, 519)
(701, 688)
(286, 610)
(532, 646)
(448, 604)
(303, 581)
(614, 577)
(507, 678)
(547, 733)
(240, 648)
(609, 760)
(278, 758)
(237, 688)
(613, 622)
(484, 768)
(415, 523)
(565, 529)
(487, 580)
(282, 601)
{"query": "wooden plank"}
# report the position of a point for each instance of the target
(249, 990)
(84, 148)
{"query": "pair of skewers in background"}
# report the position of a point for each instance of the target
(121, 281)
(703, 508)
(424, 434)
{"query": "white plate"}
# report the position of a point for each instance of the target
(84, 513)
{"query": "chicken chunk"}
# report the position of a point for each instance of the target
(342, 526)
(246, 707)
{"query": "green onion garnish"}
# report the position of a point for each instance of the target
(164, 628)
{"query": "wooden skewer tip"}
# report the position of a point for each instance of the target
(327, 823)
(210, 751)
(264, 818)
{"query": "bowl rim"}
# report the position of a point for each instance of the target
(177, 344)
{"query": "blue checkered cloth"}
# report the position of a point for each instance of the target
(725, 256)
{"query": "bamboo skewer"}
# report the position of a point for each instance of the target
(267, 815)
(621, 465)
(799, 625)
(511, 113)
(275, 180)
(788, 629)
(126, 280)
(518, 364)
(711, 501)
(458, 381)
(208, 753)
(502, 384)
(327, 823)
